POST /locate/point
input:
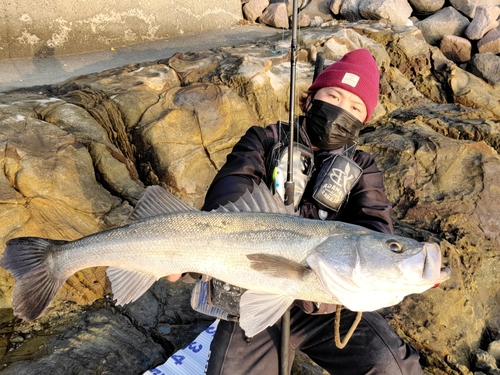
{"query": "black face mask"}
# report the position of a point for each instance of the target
(330, 127)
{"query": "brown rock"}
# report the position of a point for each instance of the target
(253, 9)
(188, 134)
(490, 42)
(456, 48)
(317, 9)
(276, 15)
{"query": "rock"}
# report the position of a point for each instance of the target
(446, 21)
(484, 361)
(275, 15)
(494, 349)
(426, 6)
(349, 10)
(394, 11)
(335, 6)
(253, 9)
(187, 130)
(191, 66)
(487, 66)
(456, 48)
(484, 21)
(42, 160)
(435, 21)
(101, 338)
(490, 42)
(468, 7)
(471, 91)
(316, 8)
(305, 21)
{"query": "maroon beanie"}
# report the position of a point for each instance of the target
(356, 72)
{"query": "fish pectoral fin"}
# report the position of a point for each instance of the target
(127, 286)
(260, 310)
(277, 266)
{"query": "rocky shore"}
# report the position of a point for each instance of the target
(76, 158)
(466, 31)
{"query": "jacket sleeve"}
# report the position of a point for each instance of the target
(367, 203)
(244, 166)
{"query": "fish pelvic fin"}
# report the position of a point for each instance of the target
(158, 201)
(277, 266)
(260, 310)
(128, 286)
(260, 199)
(36, 284)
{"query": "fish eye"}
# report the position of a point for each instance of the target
(394, 246)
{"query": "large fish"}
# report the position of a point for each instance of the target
(251, 243)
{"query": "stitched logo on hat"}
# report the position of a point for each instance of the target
(350, 79)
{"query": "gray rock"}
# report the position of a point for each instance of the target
(350, 10)
(93, 340)
(468, 7)
(484, 361)
(487, 66)
(447, 21)
(394, 11)
(486, 19)
(456, 48)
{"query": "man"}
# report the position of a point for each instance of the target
(337, 105)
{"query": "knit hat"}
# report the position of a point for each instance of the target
(356, 72)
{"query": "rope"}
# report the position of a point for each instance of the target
(341, 344)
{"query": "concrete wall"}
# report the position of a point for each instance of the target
(43, 28)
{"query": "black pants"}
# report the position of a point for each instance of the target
(373, 349)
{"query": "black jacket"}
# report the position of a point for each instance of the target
(366, 206)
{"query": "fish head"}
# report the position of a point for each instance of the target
(372, 270)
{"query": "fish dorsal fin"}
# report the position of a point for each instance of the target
(157, 201)
(260, 310)
(127, 286)
(259, 200)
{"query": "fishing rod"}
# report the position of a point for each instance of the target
(289, 184)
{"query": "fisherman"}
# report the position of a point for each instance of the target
(334, 182)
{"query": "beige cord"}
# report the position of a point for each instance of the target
(342, 344)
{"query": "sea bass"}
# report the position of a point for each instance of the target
(252, 243)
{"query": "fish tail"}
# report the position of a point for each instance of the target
(27, 259)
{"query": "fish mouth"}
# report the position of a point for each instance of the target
(425, 267)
